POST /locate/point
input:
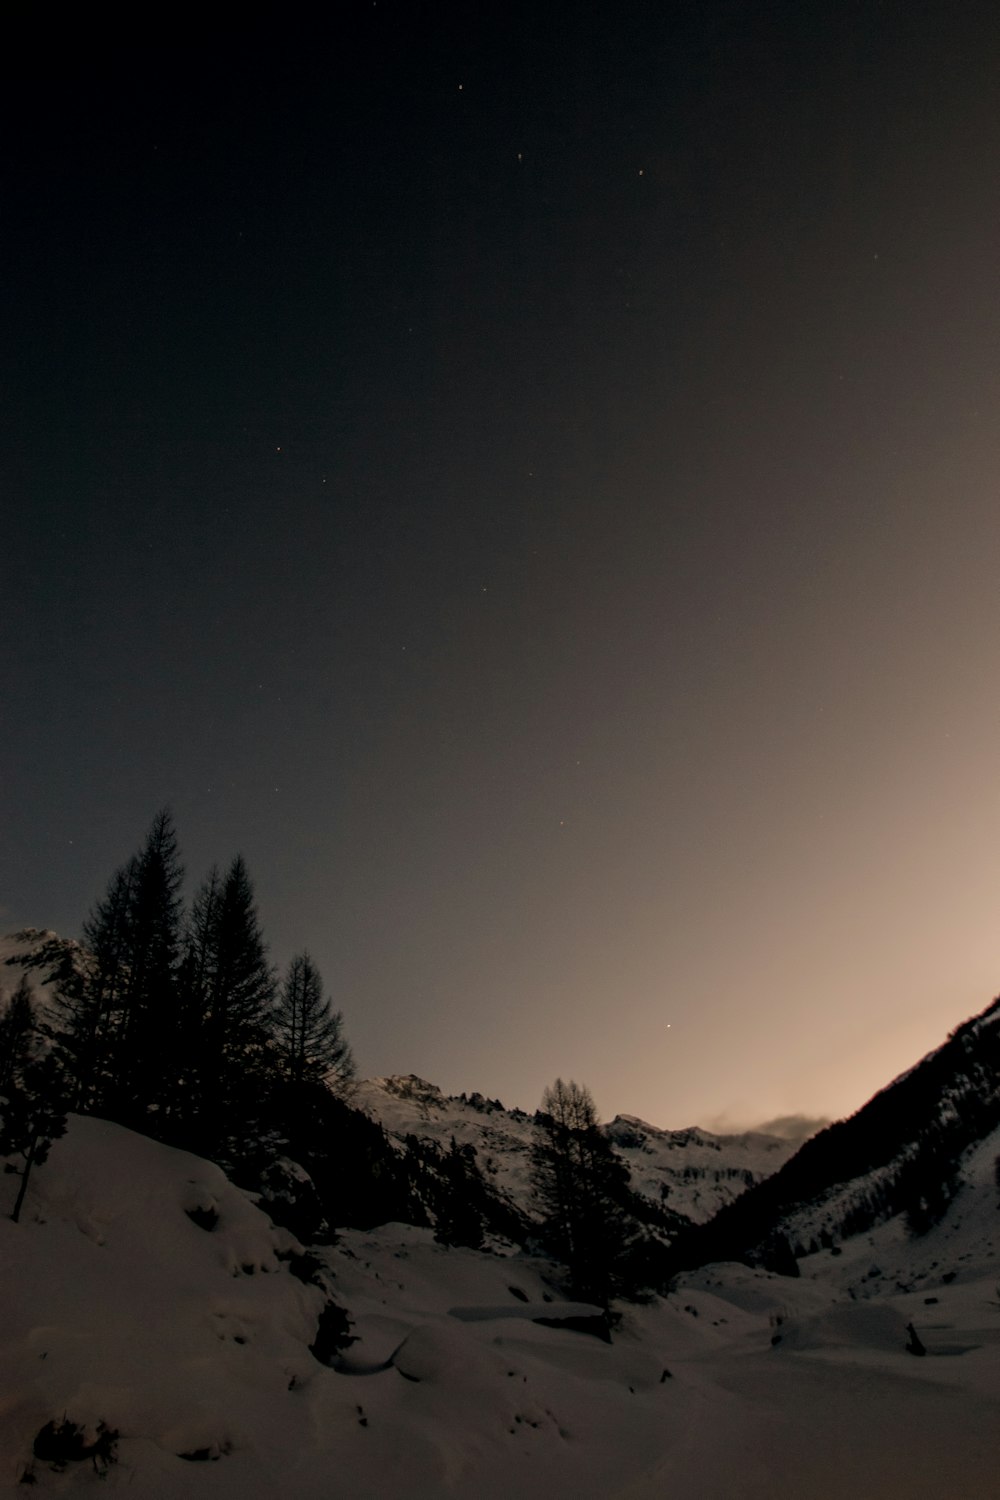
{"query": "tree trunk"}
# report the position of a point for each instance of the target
(28, 1162)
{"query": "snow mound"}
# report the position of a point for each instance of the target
(129, 1312)
(444, 1356)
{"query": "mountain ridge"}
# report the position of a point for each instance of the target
(901, 1153)
(714, 1196)
(692, 1171)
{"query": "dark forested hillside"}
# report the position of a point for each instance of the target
(899, 1154)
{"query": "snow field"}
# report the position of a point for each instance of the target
(116, 1307)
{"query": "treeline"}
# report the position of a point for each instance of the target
(171, 1020)
(177, 1024)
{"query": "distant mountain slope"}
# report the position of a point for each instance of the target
(690, 1173)
(693, 1171)
(686, 1175)
(904, 1153)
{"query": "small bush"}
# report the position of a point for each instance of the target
(64, 1442)
(306, 1267)
(333, 1333)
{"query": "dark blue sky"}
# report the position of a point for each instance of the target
(527, 477)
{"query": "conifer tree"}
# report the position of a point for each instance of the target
(92, 1010)
(580, 1187)
(118, 1030)
(227, 1001)
(147, 1043)
(32, 1098)
(16, 1025)
(309, 1033)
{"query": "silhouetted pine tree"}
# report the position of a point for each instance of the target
(194, 982)
(308, 1033)
(580, 1186)
(92, 1009)
(147, 1044)
(16, 1025)
(32, 1096)
(118, 1023)
(227, 1005)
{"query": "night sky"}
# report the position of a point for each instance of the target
(527, 477)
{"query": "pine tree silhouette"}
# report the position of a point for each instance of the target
(580, 1186)
(308, 1032)
(118, 1021)
(227, 1003)
(32, 1095)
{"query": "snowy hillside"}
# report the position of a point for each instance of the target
(903, 1156)
(162, 1335)
(694, 1172)
(690, 1171)
(190, 1337)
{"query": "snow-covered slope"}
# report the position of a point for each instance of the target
(694, 1172)
(903, 1156)
(192, 1341)
(145, 1298)
(120, 1309)
(690, 1171)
